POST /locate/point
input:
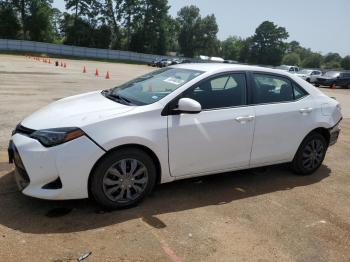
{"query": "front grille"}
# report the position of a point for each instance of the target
(23, 130)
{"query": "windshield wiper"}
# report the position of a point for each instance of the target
(109, 94)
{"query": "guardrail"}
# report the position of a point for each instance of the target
(77, 51)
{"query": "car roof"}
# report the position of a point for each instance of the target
(222, 67)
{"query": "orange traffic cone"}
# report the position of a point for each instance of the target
(107, 75)
(61, 64)
(49, 61)
(96, 73)
(84, 70)
(333, 86)
(64, 65)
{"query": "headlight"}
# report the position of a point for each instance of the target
(56, 136)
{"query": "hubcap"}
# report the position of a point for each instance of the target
(313, 154)
(125, 180)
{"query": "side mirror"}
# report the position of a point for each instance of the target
(189, 106)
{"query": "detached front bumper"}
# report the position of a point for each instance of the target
(59, 172)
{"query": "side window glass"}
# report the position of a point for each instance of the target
(220, 92)
(271, 89)
(298, 92)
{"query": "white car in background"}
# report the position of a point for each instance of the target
(182, 121)
(309, 75)
(290, 69)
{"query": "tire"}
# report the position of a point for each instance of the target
(123, 178)
(308, 80)
(310, 154)
(317, 85)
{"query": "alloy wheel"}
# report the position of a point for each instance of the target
(125, 180)
(313, 154)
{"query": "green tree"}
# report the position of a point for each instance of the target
(110, 16)
(85, 11)
(312, 61)
(22, 7)
(101, 37)
(56, 21)
(332, 65)
(345, 63)
(131, 15)
(331, 58)
(9, 23)
(231, 48)
(291, 59)
(39, 21)
(196, 34)
(268, 45)
(153, 37)
(173, 28)
(244, 53)
(189, 21)
(208, 29)
(293, 47)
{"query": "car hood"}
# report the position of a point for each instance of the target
(75, 111)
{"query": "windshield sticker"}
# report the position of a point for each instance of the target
(174, 81)
(154, 97)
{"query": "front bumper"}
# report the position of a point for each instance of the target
(67, 165)
(324, 82)
(334, 134)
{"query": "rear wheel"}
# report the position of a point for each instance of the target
(310, 154)
(123, 178)
(317, 85)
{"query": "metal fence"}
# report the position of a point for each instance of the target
(67, 50)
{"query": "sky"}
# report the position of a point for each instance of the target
(322, 25)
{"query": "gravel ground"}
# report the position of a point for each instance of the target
(270, 215)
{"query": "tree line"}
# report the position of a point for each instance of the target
(145, 26)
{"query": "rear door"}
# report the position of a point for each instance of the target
(220, 137)
(283, 117)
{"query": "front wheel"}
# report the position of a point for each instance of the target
(123, 178)
(310, 154)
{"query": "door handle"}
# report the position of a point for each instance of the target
(244, 119)
(306, 110)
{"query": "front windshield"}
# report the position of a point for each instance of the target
(305, 72)
(152, 87)
(332, 73)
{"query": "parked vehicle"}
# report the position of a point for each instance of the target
(178, 122)
(185, 61)
(230, 62)
(336, 78)
(309, 75)
(290, 69)
(164, 62)
(154, 62)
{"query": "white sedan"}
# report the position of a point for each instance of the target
(309, 75)
(182, 121)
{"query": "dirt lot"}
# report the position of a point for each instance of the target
(241, 216)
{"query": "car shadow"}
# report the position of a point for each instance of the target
(30, 215)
